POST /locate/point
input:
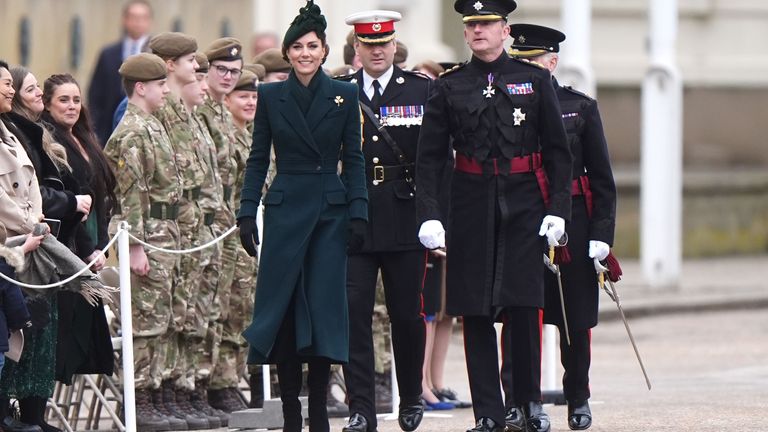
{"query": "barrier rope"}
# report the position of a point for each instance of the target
(109, 245)
(184, 251)
(69, 279)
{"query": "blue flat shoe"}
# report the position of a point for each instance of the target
(438, 406)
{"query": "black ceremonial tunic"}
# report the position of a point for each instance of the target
(495, 252)
(590, 158)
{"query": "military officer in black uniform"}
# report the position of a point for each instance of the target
(590, 230)
(510, 187)
(392, 101)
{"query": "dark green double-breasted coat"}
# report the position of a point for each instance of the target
(301, 285)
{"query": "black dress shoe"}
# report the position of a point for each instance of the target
(410, 415)
(537, 419)
(10, 424)
(515, 420)
(579, 415)
(356, 423)
(485, 424)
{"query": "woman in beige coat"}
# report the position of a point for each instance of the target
(20, 201)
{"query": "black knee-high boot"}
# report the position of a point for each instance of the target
(33, 412)
(317, 381)
(257, 388)
(289, 378)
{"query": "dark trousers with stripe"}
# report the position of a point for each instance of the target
(520, 336)
(575, 359)
(403, 276)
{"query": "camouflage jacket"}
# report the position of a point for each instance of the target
(145, 167)
(219, 122)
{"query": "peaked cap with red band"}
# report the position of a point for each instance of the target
(374, 26)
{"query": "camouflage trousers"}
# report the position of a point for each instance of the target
(152, 305)
(232, 353)
(190, 291)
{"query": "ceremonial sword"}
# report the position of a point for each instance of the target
(614, 295)
(549, 261)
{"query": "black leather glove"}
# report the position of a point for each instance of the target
(357, 228)
(39, 311)
(249, 235)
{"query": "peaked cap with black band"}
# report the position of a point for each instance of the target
(534, 40)
(309, 19)
(484, 10)
(374, 26)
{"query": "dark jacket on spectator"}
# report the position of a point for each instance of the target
(13, 311)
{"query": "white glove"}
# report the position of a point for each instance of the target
(554, 228)
(598, 249)
(432, 234)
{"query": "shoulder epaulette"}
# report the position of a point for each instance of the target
(454, 69)
(570, 89)
(347, 77)
(416, 74)
(528, 62)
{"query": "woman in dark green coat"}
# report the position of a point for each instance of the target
(312, 215)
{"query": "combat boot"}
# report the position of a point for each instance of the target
(194, 422)
(175, 423)
(148, 419)
(184, 403)
(199, 401)
(226, 399)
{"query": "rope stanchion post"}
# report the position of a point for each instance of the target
(129, 391)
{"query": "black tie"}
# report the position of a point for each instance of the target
(376, 99)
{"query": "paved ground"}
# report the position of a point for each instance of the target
(705, 346)
(704, 343)
(708, 370)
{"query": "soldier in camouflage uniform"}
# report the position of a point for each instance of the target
(178, 51)
(224, 56)
(202, 322)
(148, 190)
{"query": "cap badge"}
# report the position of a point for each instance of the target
(339, 100)
(233, 51)
(478, 6)
(518, 116)
(376, 27)
(400, 80)
(521, 39)
(489, 91)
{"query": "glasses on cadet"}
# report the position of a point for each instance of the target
(222, 71)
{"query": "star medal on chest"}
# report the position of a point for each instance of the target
(489, 91)
(519, 116)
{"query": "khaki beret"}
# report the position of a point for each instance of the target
(273, 61)
(143, 67)
(171, 45)
(401, 55)
(226, 49)
(248, 81)
(202, 62)
(259, 70)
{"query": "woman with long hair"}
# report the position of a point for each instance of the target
(313, 215)
(72, 129)
(62, 200)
